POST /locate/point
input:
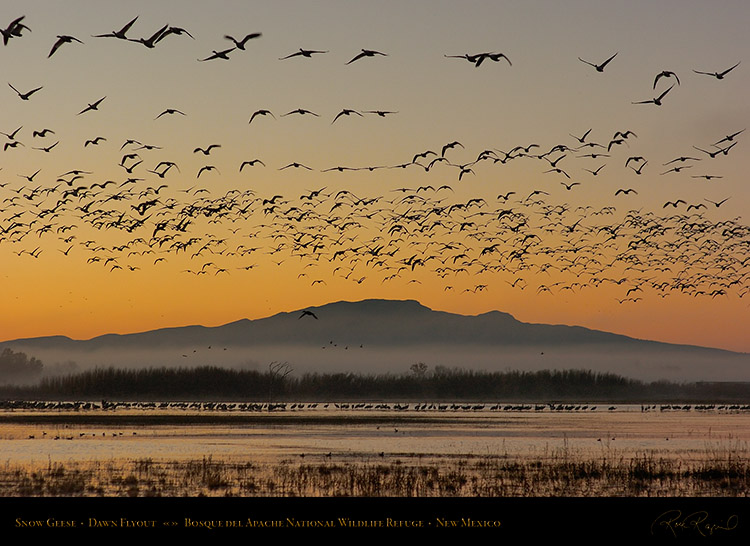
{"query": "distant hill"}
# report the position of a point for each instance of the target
(378, 336)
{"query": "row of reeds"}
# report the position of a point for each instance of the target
(440, 383)
(718, 472)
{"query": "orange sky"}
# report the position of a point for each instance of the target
(543, 258)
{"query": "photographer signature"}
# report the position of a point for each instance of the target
(675, 522)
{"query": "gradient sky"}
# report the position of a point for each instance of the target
(546, 97)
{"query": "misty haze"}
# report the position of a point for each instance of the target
(384, 336)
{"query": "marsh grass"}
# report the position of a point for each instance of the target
(718, 471)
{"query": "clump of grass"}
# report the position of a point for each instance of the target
(63, 482)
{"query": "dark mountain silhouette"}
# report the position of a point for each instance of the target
(378, 336)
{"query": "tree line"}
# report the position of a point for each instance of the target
(278, 383)
(17, 367)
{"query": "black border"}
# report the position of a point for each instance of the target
(670, 519)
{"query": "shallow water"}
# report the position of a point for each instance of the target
(367, 434)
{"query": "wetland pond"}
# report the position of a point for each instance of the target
(666, 442)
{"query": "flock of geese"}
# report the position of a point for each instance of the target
(526, 237)
(555, 407)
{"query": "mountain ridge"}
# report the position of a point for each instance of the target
(383, 306)
(388, 335)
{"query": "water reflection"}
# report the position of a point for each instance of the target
(365, 431)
